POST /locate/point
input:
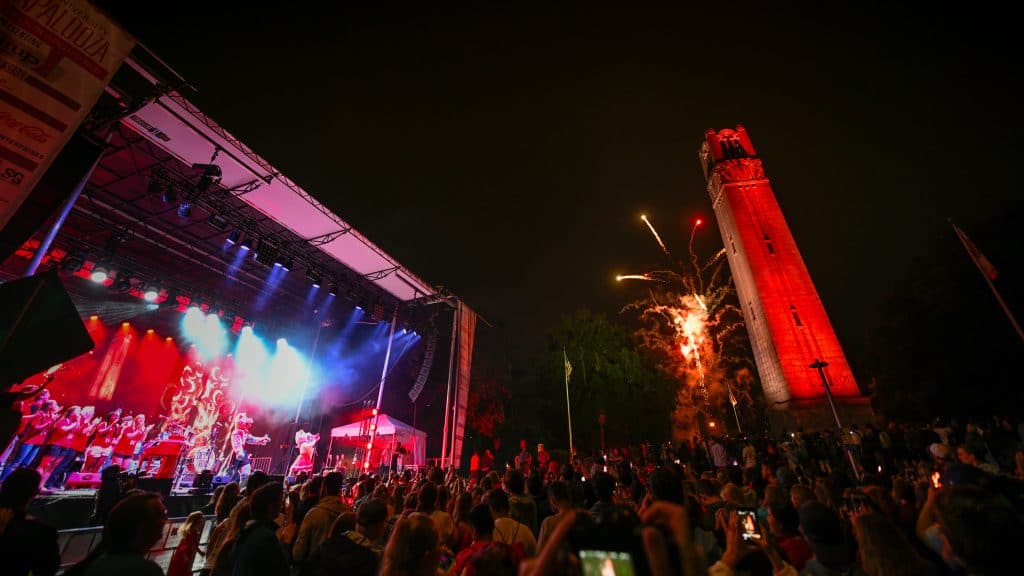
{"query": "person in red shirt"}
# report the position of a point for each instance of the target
(124, 447)
(784, 523)
(60, 441)
(102, 445)
(34, 437)
(87, 423)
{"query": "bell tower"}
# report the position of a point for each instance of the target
(787, 323)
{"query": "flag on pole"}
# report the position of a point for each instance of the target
(568, 366)
(979, 259)
(732, 398)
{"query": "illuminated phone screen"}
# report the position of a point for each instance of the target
(606, 563)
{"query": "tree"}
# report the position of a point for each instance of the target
(612, 374)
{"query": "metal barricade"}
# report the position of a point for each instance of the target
(76, 544)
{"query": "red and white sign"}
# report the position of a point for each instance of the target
(56, 57)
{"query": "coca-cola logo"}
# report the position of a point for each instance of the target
(30, 131)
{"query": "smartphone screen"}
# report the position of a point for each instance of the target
(749, 530)
(606, 563)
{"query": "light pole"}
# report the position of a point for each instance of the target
(820, 365)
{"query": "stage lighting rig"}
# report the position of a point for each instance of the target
(314, 276)
(218, 222)
(235, 236)
(172, 299)
(185, 209)
(332, 288)
(122, 282)
(151, 292)
(72, 261)
(99, 273)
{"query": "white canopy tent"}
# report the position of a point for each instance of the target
(390, 433)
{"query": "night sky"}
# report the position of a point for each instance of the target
(506, 152)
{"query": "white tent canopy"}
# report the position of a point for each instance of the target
(390, 432)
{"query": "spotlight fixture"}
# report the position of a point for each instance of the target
(288, 263)
(100, 273)
(185, 209)
(170, 195)
(266, 255)
(332, 288)
(235, 236)
(122, 282)
(246, 244)
(151, 292)
(72, 261)
(314, 277)
(217, 222)
(211, 175)
(171, 300)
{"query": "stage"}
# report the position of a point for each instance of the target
(69, 509)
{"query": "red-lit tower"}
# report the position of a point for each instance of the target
(785, 318)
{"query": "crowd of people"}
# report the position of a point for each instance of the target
(944, 499)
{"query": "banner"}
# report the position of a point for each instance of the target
(56, 57)
(467, 329)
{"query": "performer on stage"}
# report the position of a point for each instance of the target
(306, 442)
(28, 411)
(102, 445)
(87, 423)
(124, 448)
(60, 442)
(34, 437)
(240, 436)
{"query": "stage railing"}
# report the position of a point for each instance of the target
(76, 544)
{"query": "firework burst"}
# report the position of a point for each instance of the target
(688, 321)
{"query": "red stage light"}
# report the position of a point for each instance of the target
(124, 325)
(168, 339)
(366, 465)
(150, 331)
(711, 424)
(374, 411)
(94, 317)
(699, 221)
(373, 427)
(369, 445)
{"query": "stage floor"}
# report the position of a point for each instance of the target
(69, 509)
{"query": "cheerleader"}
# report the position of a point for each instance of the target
(124, 447)
(34, 437)
(86, 427)
(306, 443)
(102, 445)
(60, 443)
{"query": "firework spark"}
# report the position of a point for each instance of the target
(656, 235)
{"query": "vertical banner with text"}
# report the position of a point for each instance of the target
(467, 329)
(56, 57)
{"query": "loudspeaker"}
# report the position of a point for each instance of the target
(82, 481)
(39, 327)
(161, 486)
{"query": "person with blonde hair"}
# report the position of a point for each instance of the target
(884, 549)
(185, 554)
(414, 548)
(223, 555)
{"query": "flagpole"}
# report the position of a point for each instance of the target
(988, 280)
(568, 410)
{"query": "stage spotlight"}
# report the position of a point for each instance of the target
(150, 331)
(266, 255)
(287, 263)
(72, 262)
(151, 292)
(185, 209)
(332, 288)
(170, 195)
(172, 299)
(218, 222)
(246, 244)
(314, 277)
(122, 283)
(99, 274)
(211, 175)
(235, 236)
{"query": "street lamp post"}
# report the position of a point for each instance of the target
(820, 365)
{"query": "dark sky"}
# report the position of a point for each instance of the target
(506, 152)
